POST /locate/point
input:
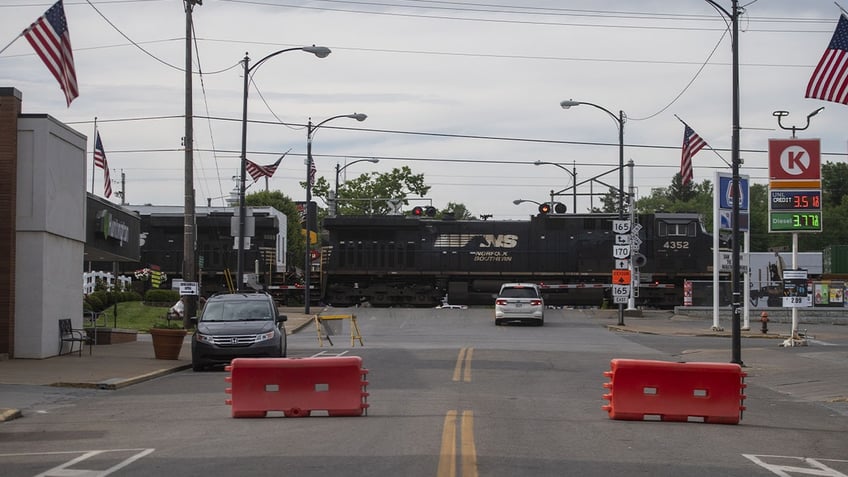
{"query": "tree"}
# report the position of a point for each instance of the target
(834, 183)
(295, 239)
(459, 212)
(368, 194)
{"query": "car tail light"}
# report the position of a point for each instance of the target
(500, 301)
(535, 302)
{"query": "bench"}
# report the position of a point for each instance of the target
(67, 334)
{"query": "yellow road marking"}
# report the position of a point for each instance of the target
(468, 450)
(447, 454)
(463, 361)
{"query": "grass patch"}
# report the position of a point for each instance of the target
(134, 315)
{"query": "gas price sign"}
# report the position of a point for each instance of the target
(795, 222)
(795, 200)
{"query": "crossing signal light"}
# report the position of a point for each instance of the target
(429, 211)
(552, 208)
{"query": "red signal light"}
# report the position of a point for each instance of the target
(545, 208)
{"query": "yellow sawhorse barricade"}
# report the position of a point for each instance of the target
(355, 334)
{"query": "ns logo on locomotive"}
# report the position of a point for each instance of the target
(420, 261)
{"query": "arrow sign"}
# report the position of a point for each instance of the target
(621, 239)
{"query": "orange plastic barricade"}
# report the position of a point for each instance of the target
(297, 386)
(657, 390)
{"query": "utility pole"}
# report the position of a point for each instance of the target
(190, 301)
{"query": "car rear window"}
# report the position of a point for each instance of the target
(523, 292)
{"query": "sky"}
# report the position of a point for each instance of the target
(466, 93)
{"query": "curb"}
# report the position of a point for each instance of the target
(706, 334)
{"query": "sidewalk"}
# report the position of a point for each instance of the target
(112, 366)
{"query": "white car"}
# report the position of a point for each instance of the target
(520, 302)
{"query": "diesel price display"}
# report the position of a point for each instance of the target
(796, 200)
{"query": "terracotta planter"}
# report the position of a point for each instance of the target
(167, 342)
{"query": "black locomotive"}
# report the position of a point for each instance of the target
(416, 261)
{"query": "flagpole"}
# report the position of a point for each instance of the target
(707, 144)
(16, 39)
(844, 12)
(93, 147)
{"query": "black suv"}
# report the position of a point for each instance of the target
(238, 325)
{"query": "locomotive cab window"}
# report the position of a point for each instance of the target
(672, 229)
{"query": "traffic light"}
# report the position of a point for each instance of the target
(429, 211)
(553, 208)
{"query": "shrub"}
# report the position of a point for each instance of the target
(161, 296)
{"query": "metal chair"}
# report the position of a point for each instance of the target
(67, 334)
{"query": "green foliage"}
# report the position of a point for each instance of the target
(161, 296)
(135, 315)
(100, 300)
(368, 193)
(459, 212)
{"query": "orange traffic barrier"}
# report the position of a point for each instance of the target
(297, 386)
(657, 390)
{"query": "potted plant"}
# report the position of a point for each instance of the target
(167, 339)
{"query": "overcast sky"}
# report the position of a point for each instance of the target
(466, 93)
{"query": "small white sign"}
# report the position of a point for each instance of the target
(621, 290)
(622, 264)
(636, 240)
(637, 228)
(621, 226)
(620, 299)
(188, 288)
(622, 239)
(621, 251)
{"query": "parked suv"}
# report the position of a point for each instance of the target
(519, 302)
(238, 325)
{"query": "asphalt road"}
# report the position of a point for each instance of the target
(450, 394)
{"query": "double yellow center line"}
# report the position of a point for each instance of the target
(465, 425)
(468, 451)
(462, 370)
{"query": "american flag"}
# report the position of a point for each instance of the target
(692, 143)
(830, 78)
(100, 161)
(51, 40)
(256, 171)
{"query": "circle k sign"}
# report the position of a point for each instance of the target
(794, 159)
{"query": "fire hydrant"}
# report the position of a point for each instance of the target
(764, 320)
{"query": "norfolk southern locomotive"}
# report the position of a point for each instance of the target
(414, 261)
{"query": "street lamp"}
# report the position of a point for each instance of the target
(573, 174)
(521, 201)
(310, 130)
(320, 52)
(620, 120)
(340, 169)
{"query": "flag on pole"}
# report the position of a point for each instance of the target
(830, 78)
(256, 171)
(100, 161)
(50, 38)
(692, 143)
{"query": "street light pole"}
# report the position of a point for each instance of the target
(573, 174)
(307, 261)
(339, 170)
(736, 305)
(320, 52)
(620, 120)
